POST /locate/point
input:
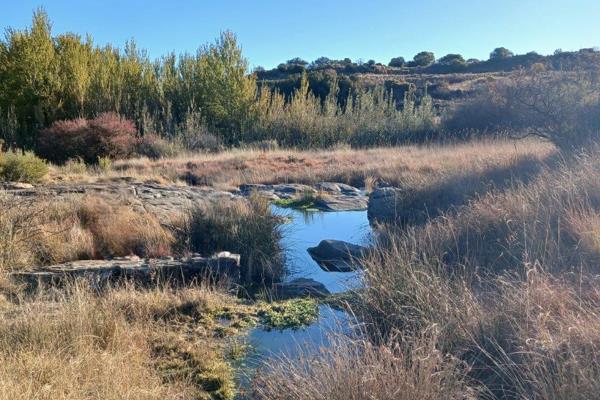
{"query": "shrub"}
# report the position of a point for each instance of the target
(22, 167)
(563, 108)
(155, 147)
(107, 135)
(247, 228)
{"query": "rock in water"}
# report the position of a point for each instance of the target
(301, 287)
(145, 272)
(337, 255)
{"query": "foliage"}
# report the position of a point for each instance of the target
(22, 167)
(452, 60)
(397, 62)
(44, 79)
(246, 228)
(424, 59)
(369, 118)
(107, 135)
(500, 53)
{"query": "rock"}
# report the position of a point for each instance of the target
(384, 203)
(277, 192)
(160, 200)
(329, 196)
(300, 287)
(15, 185)
(145, 272)
(336, 255)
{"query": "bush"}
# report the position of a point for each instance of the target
(107, 135)
(22, 167)
(247, 228)
(155, 147)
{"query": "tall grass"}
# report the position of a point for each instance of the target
(507, 285)
(248, 228)
(368, 118)
(77, 345)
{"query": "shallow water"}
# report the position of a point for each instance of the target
(307, 229)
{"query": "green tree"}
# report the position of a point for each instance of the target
(29, 76)
(226, 92)
(500, 53)
(424, 59)
(452, 60)
(397, 62)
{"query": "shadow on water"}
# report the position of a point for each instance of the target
(306, 229)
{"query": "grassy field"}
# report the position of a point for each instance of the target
(496, 300)
(399, 166)
(495, 297)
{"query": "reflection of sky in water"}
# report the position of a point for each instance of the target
(307, 229)
(291, 343)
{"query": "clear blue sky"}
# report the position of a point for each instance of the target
(272, 31)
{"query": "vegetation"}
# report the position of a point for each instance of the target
(22, 167)
(107, 135)
(246, 228)
(504, 287)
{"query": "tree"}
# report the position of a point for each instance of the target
(424, 59)
(321, 62)
(226, 91)
(397, 62)
(501, 53)
(452, 60)
(297, 61)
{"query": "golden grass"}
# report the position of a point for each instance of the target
(507, 288)
(399, 166)
(78, 345)
(40, 231)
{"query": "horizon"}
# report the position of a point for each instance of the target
(350, 31)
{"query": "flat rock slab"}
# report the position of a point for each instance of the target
(330, 196)
(139, 271)
(161, 200)
(301, 287)
(337, 255)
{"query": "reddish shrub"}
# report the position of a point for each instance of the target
(107, 135)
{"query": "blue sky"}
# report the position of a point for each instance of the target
(272, 31)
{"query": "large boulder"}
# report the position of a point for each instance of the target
(337, 255)
(144, 272)
(301, 287)
(384, 204)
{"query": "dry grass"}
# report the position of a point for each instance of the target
(43, 231)
(358, 370)
(508, 287)
(81, 346)
(405, 166)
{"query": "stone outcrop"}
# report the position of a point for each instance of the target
(337, 255)
(300, 287)
(328, 196)
(144, 272)
(161, 200)
(384, 204)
